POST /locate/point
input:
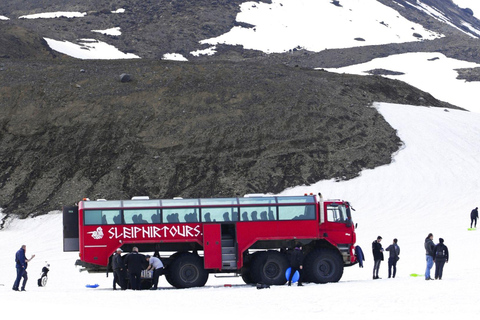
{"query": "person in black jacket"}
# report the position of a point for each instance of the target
(394, 251)
(429, 254)
(135, 263)
(296, 264)
(119, 270)
(441, 256)
(377, 251)
(474, 217)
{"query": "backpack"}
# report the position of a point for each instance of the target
(440, 252)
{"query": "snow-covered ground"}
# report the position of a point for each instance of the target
(431, 186)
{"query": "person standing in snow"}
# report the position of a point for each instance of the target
(157, 265)
(21, 265)
(474, 217)
(430, 253)
(119, 270)
(377, 251)
(296, 264)
(394, 251)
(441, 256)
(135, 264)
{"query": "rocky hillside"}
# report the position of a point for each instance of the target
(235, 123)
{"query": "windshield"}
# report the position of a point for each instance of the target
(338, 213)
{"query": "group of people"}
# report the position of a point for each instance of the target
(437, 254)
(131, 266)
(394, 256)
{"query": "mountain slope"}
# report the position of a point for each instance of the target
(235, 122)
(73, 129)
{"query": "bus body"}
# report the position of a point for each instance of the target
(250, 236)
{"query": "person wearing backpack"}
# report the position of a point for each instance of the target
(394, 251)
(441, 256)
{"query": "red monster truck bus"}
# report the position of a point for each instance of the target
(249, 236)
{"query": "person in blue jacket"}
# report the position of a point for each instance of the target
(21, 263)
(394, 251)
(360, 256)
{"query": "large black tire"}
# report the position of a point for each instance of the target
(322, 266)
(247, 277)
(186, 271)
(269, 268)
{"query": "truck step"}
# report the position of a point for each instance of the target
(229, 265)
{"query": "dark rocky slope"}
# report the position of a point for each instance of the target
(71, 129)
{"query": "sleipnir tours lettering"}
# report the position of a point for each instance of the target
(184, 231)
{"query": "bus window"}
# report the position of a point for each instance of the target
(179, 215)
(304, 199)
(258, 213)
(140, 203)
(139, 216)
(219, 202)
(220, 214)
(257, 200)
(336, 213)
(95, 217)
(305, 212)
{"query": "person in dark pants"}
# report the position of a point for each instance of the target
(21, 266)
(474, 217)
(157, 265)
(119, 270)
(394, 251)
(441, 256)
(377, 251)
(135, 264)
(296, 264)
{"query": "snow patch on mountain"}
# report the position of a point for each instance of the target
(89, 49)
(284, 25)
(110, 32)
(52, 15)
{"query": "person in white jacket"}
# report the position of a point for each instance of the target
(157, 265)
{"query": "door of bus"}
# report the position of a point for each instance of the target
(212, 246)
(70, 229)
